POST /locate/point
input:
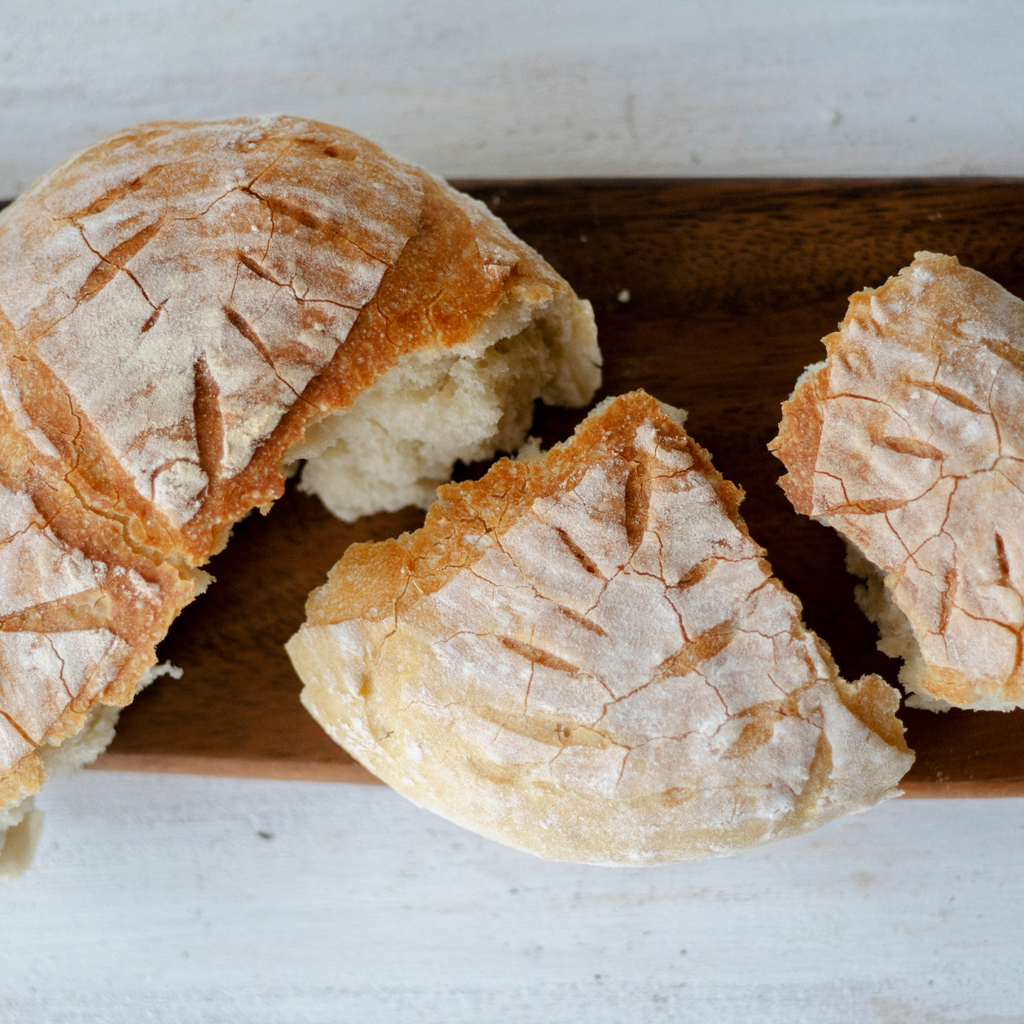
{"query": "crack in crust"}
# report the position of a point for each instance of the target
(452, 661)
(114, 262)
(936, 356)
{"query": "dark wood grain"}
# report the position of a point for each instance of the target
(732, 284)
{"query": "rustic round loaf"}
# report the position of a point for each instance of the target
(186, 311)
(586, 656)
(908, 440)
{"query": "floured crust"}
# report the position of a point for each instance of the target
(177, 305)
(587, 657)
(909, 441)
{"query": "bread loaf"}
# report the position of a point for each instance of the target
(586, 656)
(187, 310)
(909, 440)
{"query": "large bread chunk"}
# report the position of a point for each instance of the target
(586, 656)
(909, 440)
(187, 309)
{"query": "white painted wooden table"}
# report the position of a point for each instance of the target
(184, 899)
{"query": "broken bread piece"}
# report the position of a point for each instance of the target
(584, 655)
(187, 309)
(907, 440)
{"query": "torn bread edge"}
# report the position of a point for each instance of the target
(21, 824)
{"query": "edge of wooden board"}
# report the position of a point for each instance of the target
(356, 774)
(984, 788)
(235, 768)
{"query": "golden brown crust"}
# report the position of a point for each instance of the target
(799, 436)
(178, 303)
(587, 657)
(908, 441)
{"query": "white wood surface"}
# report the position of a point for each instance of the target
(200, 900)
(158, 899)
(539, 87)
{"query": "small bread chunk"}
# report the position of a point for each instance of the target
(187, 310)
(909, 440)
(584, 655)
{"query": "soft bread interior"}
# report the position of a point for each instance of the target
(18, 841)
(402, 436)
(896, 635)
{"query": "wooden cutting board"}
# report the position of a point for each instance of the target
(712, 295)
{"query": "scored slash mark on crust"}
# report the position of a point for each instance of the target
(637, 503)
(259, 270)
(151, 322)
(582, 620)
(1001, 559)
(694, 653)
(951, 395)
(579, 554)
(115, 262)
(247, 331)
(537, 656)
(209, 420)
(911, 446)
